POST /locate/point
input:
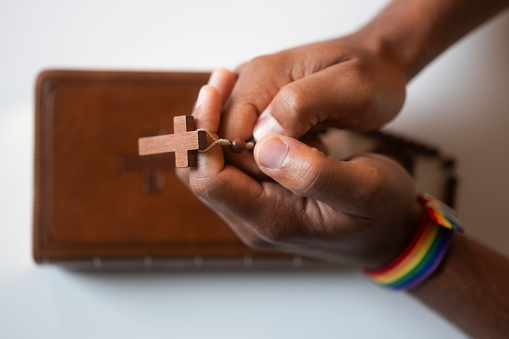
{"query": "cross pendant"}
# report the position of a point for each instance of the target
(185, 142)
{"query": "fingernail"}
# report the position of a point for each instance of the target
(213, 78)
(272, 153)
(201, 97)
(266, 125)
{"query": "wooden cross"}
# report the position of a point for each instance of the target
(184, 142)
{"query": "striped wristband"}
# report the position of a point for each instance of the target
(426, 250)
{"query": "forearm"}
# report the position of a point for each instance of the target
(411, 33)
(471, 289)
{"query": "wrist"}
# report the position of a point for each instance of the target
(375, 41)
(384, 252)
(412, 33)
(423, 255)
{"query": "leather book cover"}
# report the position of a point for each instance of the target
(96, 201)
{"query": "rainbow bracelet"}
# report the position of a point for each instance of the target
(426, 250)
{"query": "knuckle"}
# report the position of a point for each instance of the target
(280, 229)
(372, 193)
(363, 80)
(312, 178)
(294, 100)
(204, 188)
(257, 64)
(360, 73)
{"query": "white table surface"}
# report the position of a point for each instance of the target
(460, 103)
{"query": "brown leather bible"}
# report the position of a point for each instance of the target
(98, 204)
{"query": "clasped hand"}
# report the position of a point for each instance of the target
(339, 83)
(362, 211)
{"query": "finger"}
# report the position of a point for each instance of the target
(228, 191)
(257, 83)
(245, 233)
(206, 177)
(260, 213)
(210, 179)
(355, 187)
(223, 80)
(343, 95)
(207, 115)
(237, 198)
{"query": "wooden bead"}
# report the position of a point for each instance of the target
(250, 145)
(238, 145)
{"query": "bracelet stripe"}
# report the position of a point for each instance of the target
(440, 212)
(403, 254)
(429, 263)
(421, 248)
(424, 252)
(430, 267)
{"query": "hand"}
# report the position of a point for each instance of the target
(338, 83)
(361, 211)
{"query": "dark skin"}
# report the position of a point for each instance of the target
(338, 210)
(317, 206)
(355, 82)
(470, 289)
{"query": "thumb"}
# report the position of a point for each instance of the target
(341, 95)
(348, 186)
(304, 103)
(287, 114)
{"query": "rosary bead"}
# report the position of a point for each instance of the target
(250, 145)
(238, 145)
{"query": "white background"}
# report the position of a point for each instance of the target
(460, 103)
